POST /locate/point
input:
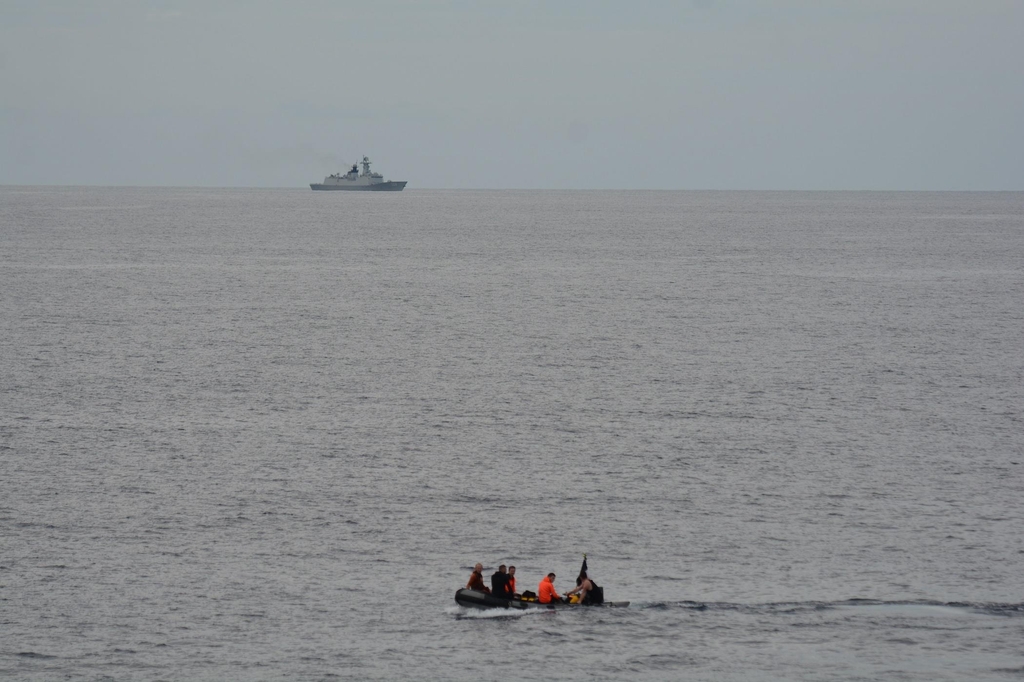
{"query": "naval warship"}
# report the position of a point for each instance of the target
(365, 181)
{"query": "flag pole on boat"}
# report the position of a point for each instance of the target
(583, 571)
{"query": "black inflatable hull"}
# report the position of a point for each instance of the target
(481, 600)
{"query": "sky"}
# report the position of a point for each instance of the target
(562, 94)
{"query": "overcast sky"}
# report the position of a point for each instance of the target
(691, 94)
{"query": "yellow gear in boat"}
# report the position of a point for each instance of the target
(574, 599)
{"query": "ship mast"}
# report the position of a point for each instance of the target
(366, 165)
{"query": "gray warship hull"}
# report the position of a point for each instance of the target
(354, 181)
(390, 186)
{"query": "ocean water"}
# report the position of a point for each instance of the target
(264, 434)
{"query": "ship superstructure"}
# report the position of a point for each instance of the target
(366, 181)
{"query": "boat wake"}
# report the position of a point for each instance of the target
(990, 608)
(461, 612)
(777, 608)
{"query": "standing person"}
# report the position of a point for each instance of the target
(476, 580)
(512, 581)
(499, 583)
(546, 590)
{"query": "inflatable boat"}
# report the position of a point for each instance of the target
(482, 600)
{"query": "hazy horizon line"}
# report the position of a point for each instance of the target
(538, 189)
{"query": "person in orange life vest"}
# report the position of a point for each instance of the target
(476, 581)
(512, 581)
(546, 590)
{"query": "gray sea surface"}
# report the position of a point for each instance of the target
(265, 434)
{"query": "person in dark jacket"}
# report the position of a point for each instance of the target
(476, 580)
(499, 583)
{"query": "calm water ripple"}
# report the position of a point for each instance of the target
(258, 434)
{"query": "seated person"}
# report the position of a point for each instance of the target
(546, 590)
(476, 580)
(583, 589)
(512, 581)
(499, 583)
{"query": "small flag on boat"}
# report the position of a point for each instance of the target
(583, 571)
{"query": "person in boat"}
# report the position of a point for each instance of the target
(476, 580)
(499, 583)
(546, 592)
(512, 581)
(584, 587)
